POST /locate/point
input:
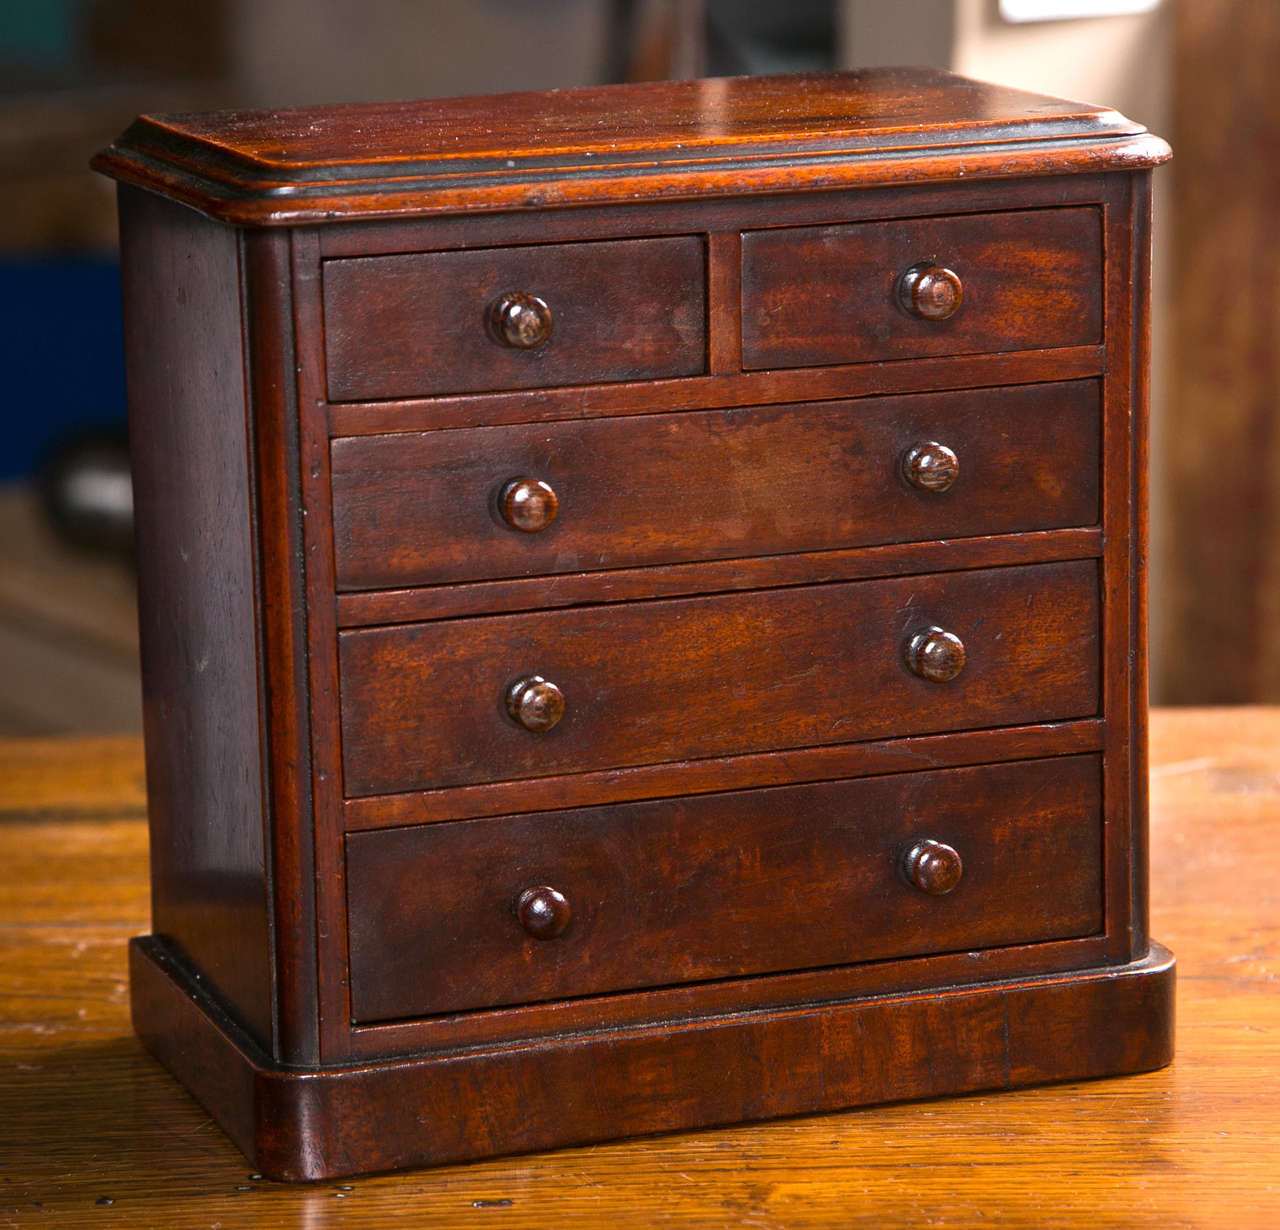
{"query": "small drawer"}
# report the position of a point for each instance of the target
(865, 292)
(444, 506)
(475, 914)
(514, 318)
(509, 696)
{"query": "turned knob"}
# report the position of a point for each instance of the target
(933, 867)
(528, 504)
(535, 703)
(520, 320)
(935, 654)
(930, 466)
(930, 292)
(543, 912)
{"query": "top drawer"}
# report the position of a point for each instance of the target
(514, 318)
(836, 294)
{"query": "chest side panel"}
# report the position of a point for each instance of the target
(195, 553)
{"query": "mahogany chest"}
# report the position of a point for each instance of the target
(643, 607)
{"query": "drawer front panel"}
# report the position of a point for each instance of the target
(406, 326)
(427, 508)
(429, 705)
(720, 886)
(815, 295)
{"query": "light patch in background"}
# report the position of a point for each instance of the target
(1064, 10)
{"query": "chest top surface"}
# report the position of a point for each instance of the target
(671, 140)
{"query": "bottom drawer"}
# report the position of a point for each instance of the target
(720, 886)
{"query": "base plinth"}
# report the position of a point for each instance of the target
(322, 1123)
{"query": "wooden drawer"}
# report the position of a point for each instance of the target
(719, 886)
(830, 294)
(422, 509)
(424, 705)
(405, 326)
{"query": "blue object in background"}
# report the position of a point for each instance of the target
(41, 33)
(61, 352)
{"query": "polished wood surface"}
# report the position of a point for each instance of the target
(93, 1132)
(934, 867)
(521, 320)
(535, 703)
(544, 912)
(721, 886)
(394, 606)
(683, 678)
(573, 146)
(724, 773)
(932, 292)
(1029, 279)
(411, 325)
(931, 466)
(194, 542)
(417, 508)
(529, 1096)
(935, 654)
(528, 504)
(742, 1011)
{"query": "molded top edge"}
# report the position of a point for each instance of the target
(672, 139)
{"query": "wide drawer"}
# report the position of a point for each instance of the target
(424, 323)
(717, 886)
(834, 294)
(427, 705)
(428, 508)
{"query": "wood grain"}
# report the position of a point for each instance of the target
(195, 549)
(283, 701)
(726, 773)
(321, 827)
(537, 1094)
(923, 375)
(682, 678)
(660, 139)
(1125, 423)
(88, 1116)
(100, 777)
(397, 606)
(405, 326)
(629, 1009)
(720, 886)
(639, 491)
(1030, 279)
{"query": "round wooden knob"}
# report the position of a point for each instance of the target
(520, 320)
(933, 867)
(930, 292)
(543, 912)
(535, 703)
(528, 504)
(935, 654)
(930, 466)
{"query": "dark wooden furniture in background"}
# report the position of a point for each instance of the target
(519, 482)
(1218, 556)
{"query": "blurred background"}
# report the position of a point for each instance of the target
(73, 73)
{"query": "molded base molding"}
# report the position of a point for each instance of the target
(321, 1123)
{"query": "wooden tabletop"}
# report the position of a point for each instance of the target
(93, 1132)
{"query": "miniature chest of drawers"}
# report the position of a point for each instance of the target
(643, 607)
